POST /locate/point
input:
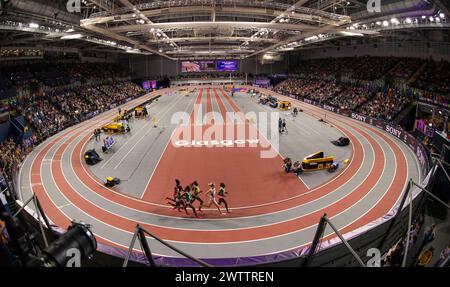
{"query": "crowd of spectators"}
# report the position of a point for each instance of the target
(376, 86)
(328, 91)
(13, 153)
(394, 256)
(50, 106)
(385, 105)
(434, 78)
(405, 69)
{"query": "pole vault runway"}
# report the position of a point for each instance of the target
(273, 213)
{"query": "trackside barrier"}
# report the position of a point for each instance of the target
(40, 217)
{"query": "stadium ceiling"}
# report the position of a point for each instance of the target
(186, 29)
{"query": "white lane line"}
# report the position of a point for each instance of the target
(300, 123)
(146, 134)
(136, 133)
(65, 205)
(132, 148)
(164, 151)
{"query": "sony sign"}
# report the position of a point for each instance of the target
(393, 131)
(359, 117)
(329, 108)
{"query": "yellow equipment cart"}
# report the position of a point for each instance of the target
(114, 127)
(317, 161)
(284, 105)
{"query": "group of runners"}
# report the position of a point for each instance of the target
(184, 198)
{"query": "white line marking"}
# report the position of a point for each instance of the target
(146, 134)
(164, 151)
(146, 124)
(65, 205)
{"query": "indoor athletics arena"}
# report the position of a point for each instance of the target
(230, 133)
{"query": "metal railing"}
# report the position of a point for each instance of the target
(140, 233)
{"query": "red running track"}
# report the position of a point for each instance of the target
(213, 164)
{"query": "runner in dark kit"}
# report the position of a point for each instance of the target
(196, 194)
(222, 194)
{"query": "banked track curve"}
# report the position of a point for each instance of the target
(368, 188)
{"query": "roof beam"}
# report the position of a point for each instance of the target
(118, 37)
(214, 38)
(142, 16)
(212, 25)
(104, 4)
(235, 10)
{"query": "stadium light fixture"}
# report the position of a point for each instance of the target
(133, 51)
(34, 25)
(431, 19)
(424, 17)
(385, 23)
(70, 37)
(351, 33)
(442, 15)
(70, 30)
(408, 20)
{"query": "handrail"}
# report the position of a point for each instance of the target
(324, 220)
(139, 233)
(40, 214)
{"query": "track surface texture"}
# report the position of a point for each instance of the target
(271, 211)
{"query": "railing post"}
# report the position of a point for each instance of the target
(198, 261)
(41, 211)
(319, 234)
(145, 246)
(394, 220)
(40, 222)
(352, 251)
(130, 249)
(408, 232)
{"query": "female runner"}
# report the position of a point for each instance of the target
(212, 196)
(196, 196)
(222, 194)
(188, 200)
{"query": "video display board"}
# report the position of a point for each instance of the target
(197, 66)
(148, 85)
(227, 66)
(209, 66)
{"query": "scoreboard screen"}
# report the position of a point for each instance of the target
(227, 66)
